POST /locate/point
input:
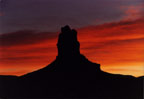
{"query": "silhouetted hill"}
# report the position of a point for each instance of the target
(5, 82)
(72, 75)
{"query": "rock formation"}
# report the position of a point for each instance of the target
(72, 75)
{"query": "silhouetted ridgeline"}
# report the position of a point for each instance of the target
(71, 75)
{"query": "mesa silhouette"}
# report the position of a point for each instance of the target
(71, 75)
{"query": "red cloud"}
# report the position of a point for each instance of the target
(25, 37)
(133, 12)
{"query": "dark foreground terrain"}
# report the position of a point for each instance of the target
(71, 75)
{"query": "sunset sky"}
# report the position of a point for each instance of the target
(111, 33)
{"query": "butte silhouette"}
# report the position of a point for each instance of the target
(71, 75)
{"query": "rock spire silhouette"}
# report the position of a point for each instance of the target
(69, 58)
(68, 44)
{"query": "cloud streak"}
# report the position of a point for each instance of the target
(133, 12)
(25, 37)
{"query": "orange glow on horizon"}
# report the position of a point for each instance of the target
(118, 47)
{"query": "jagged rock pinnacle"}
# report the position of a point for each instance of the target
(68, 44)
